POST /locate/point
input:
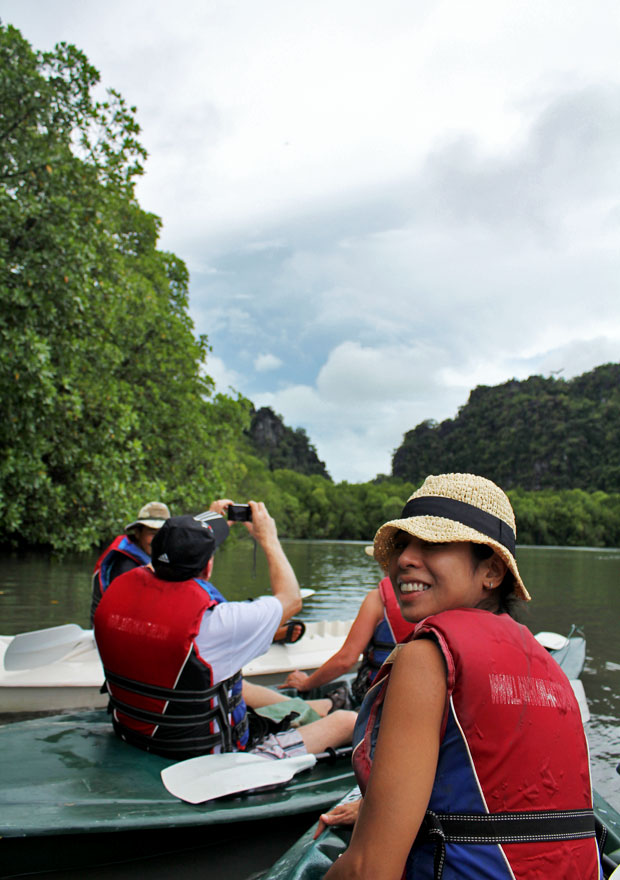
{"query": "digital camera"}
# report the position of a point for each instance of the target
(239, 513)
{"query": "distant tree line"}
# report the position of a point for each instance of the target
(313, 507)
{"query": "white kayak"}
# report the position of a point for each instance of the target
(59, 668)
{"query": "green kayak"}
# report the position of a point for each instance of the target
(71, 791)
(309, 859)
(73, 795)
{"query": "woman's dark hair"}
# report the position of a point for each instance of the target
(509, 602)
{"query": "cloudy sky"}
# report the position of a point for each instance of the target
(381, 204)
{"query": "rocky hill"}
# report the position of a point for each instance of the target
(538, 433)
(283, 447)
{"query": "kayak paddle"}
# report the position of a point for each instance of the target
(306, 592)
(211, 776)
(43, 646)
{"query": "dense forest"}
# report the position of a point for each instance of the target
(105, 390)
(104, 397)
(105, 393)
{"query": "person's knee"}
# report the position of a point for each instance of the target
(344, 720)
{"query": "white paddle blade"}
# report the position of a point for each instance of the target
(43, 646)
(551, 641)
(211, 776)
(306, 592)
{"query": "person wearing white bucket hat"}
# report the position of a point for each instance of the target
(129, 550)
(469, 747)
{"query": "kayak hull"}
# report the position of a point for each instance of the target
(189, 851)
(310, 859)
(69, 778)
(75, 680)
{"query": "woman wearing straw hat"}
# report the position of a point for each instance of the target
(469, 746)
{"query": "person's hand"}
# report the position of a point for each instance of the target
(343, 814)
(262, 526)
(297, 679)
(221, 506)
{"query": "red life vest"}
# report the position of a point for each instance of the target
(512, 793)
(161, 689)
(399, 627)
(120, 546)
(391, 629)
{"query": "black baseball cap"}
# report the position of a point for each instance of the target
(184, 544)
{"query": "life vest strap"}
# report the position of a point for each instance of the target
(179, 748)
(378, 646)
(497, 828)
(228, 737)
(177, 694)
(171, 721)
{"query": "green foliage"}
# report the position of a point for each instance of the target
(105, 399)
(311, 506)
(569, 518)
(541, 433)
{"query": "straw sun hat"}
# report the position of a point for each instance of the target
(457, 507)
(153, 515)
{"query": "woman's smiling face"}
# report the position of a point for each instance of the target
(428, 578)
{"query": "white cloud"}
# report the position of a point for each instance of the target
(224, 377)
(580, 355)
(266, 362)
(363, 402)
(401, 201)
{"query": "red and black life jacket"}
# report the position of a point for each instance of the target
(161, 689)
(512, 797)
(391, 629)
(120, 546)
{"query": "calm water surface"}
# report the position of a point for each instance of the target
(568, 586)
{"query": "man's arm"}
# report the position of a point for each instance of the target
(284, 585)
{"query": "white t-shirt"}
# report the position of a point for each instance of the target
(236, 632)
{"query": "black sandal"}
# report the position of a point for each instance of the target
(340, 698)
(290, 637)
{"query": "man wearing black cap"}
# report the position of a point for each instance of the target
(172, 647)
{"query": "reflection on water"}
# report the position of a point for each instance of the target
(568, 586)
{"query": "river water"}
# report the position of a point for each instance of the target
(568, 585)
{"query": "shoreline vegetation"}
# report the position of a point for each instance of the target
(106, 398)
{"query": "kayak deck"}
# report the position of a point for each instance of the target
(74, 680)
(71, 774)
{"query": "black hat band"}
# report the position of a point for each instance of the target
(466, 514)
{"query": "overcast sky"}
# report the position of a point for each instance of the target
(381, 204)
